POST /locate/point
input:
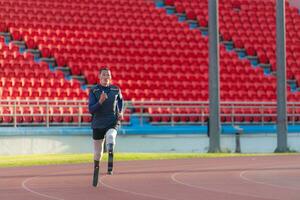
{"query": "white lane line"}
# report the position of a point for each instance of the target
(132, 192)
(24, 186)
(244, 177)
(144, 194)
(177, 181)
(173, 177)
(154, 196)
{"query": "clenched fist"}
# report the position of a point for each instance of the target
(103, 97)
(120, 116)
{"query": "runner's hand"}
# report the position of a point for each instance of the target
(103, 97)
(120, 116)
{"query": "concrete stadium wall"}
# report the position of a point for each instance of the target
(252, 143)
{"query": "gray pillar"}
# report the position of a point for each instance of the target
(214, 96)
(281, 77)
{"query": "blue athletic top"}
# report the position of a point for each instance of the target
(105, 114)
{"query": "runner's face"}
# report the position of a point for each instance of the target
(105, 77)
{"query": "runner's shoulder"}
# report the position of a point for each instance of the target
(94, 88)
(114, 87)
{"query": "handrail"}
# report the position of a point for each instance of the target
(167, 112)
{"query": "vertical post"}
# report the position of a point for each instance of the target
(80, 115)
(281, 77)
(237, 142)
(15, 113)
(47, 113)
(293, 113)
(214, 96)
(142, 113)
(172, 114)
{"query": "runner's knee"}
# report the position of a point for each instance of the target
(111, 135)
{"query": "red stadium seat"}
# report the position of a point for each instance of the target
(68, 118)
(7, 117)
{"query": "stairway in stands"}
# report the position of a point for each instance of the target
(248, 28)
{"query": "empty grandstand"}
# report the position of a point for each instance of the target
(50, 53)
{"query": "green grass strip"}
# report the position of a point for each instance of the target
(55, 159)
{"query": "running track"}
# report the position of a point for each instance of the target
(243, 178)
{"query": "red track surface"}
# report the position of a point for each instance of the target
(245, 178)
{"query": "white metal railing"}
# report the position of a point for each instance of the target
(42, 112)
(230, 112)
(75, 113)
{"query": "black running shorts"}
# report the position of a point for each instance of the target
(99, 133)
